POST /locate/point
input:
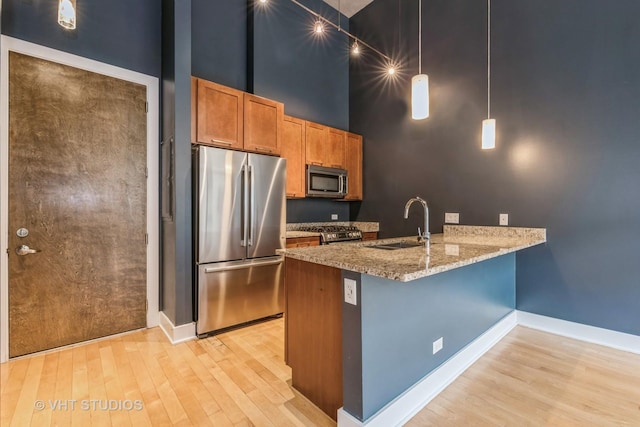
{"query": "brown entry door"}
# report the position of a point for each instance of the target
(77, 196)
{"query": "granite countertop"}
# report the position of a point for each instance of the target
(292, 234)
(458, 246)
(363, 226)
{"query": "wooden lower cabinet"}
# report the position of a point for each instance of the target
(303, 242)
(369, 235)
(313, 332)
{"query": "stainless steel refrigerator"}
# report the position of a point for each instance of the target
(240, 217)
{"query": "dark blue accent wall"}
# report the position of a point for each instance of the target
(566, 96)
(309, 74)
(388, 336)
(219, 41)
(316, 210)
(123, 33)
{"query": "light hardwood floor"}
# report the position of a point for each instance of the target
(530, 378)
(533, 378)
(234, 379)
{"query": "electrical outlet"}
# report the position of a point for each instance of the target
(350, 292)
(437, 345)
(451, 218)
(504, 219)
(334, 216)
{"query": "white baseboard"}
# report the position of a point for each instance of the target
(177, 334)
(409, 403)
(592, 334)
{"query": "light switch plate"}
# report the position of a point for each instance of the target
(452, 218)
(334, 216)
(504, 219)
(350, 296)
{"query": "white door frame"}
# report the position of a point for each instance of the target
(8, 44)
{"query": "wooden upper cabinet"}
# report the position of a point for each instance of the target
(263, 120)
(293, 149)
(334, 154)
(219, 115)
(317, 136)
(353, 163)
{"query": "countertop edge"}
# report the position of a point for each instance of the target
(308, 256)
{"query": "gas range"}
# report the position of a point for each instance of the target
(335, 233)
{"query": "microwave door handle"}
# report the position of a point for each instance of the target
(345, 188)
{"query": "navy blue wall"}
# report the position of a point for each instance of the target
(124, 33)
(309, 74)
(388, 336)
(566, 96)
(219, 41)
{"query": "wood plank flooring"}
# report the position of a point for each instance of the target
(139, 379)
(530, 378)
(533, 378)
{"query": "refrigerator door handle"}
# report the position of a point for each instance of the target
(251, 206)
(244, 266)
(244, 213)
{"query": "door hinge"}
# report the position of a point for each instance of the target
(146, 172)
(146, 305)
(146, 107)
(146, 238)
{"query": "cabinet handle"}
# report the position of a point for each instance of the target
(316, 163)
(218, 141)
(268, 150)
(337, 166)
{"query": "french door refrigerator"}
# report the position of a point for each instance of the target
(240, 217)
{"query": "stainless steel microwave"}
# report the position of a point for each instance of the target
(326, 182)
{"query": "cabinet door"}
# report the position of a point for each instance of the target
(219, 115)
(334, 152)
(293, 149)
(317, 136)
(302, 242)
(262, 124)
(353, 161)
(370, 235)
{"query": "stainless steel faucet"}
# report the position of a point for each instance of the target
(422, 236)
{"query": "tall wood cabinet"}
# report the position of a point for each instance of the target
(353, 165)
(293, 149)
(317, 136)
(262, 124)
(335, 149)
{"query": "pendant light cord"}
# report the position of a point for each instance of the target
(420, 37)
(488, 59)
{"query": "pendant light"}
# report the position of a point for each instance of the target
(420, 82)
(67, 14)
(489, 124)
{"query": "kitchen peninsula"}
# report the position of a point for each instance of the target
(404, 304)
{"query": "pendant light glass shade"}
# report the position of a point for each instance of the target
(67, 14)
(420, 97)
(488, 134)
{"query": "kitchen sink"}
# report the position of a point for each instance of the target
(398, 245)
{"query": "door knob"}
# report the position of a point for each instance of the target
(25, 250)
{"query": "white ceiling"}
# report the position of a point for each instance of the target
(348, 7)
